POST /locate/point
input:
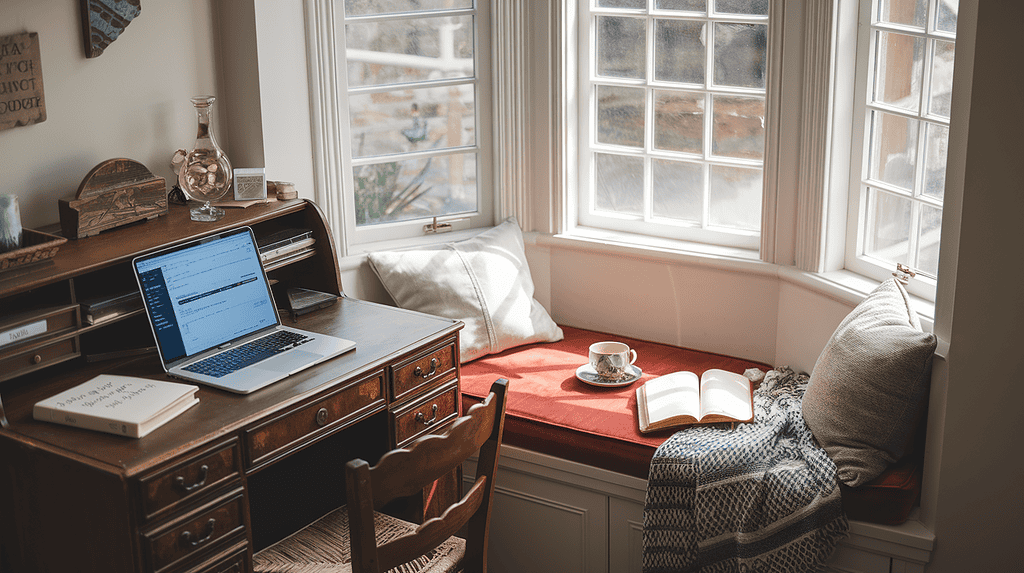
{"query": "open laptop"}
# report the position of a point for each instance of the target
(214, 319)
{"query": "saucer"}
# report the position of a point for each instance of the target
(586, 373)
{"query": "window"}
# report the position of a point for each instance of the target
(904, 86)
(414, 114)
(672, 118)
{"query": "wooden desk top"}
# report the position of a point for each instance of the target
(381, 333)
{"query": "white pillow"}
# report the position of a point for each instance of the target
(484, 282)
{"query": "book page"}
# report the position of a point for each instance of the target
(725, 393)
(672, 395)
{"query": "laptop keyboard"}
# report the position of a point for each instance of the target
(247, 354)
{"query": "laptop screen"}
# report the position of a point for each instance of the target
(206, 293)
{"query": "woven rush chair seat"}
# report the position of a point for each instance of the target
(323, 547)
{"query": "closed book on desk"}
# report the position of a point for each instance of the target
(122, 405)
(681, 399)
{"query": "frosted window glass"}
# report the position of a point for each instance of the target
(619, 183)
(620, 116)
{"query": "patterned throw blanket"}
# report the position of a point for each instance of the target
(760, 497)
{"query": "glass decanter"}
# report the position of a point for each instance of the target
(205, 174)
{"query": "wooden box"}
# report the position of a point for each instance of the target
(116, 192)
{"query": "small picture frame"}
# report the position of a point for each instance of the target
(250, 183)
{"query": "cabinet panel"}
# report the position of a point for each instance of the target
(847, 559)
(540, 525)
(625, 535)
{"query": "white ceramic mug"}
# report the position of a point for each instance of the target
(611, 359)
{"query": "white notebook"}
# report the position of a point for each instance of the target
(122, 405)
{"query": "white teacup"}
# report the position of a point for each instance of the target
(611, 360)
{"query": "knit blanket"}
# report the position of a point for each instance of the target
(758, 497)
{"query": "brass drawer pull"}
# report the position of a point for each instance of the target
(321, 417)
(203, 471)
(433, 369)
(422, 419)
(186, 537)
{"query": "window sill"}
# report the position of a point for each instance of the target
(357, 253)
(657, 249)
(842, 285)
(847, 286)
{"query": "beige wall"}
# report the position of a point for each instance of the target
(132, 101)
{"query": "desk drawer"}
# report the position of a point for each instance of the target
(233, 563)
(422, 370)
(426, 415)
(168, 488)
(38, 357)
(208, 527)
(317, 419)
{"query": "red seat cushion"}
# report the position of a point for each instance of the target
(889, 498)
(551, 412)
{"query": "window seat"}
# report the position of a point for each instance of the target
(551, 412)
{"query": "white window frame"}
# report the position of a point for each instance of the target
(332, 164)
(922, 286)
(648, 225)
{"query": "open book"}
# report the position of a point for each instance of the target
(680, 399)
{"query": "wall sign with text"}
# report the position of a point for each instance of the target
(21, 81)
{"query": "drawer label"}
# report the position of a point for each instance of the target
(22, 332)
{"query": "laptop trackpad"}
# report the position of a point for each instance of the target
(289, 361)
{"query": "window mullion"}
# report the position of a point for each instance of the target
(915, 234)
(649, 120)
(709, 116)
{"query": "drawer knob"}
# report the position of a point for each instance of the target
(186, 536)
(321, 417)
(37, 359)
(423, 419)
(433, 369)
(203, 471)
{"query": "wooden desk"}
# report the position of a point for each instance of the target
(233, 473)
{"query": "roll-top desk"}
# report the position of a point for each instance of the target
(232, 474)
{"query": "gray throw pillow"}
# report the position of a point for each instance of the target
(484, 282)
(867, 393)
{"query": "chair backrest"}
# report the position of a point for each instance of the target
(405, 472)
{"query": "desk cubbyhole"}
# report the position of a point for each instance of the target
(109, 282)
(37, 300)
(127, 335)
(296, 491)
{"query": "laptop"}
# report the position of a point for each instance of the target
(214, 319)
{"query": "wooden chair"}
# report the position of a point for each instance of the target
(358, 538)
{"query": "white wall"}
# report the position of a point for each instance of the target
(979, 502)
(687, 305)
(132, 101)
